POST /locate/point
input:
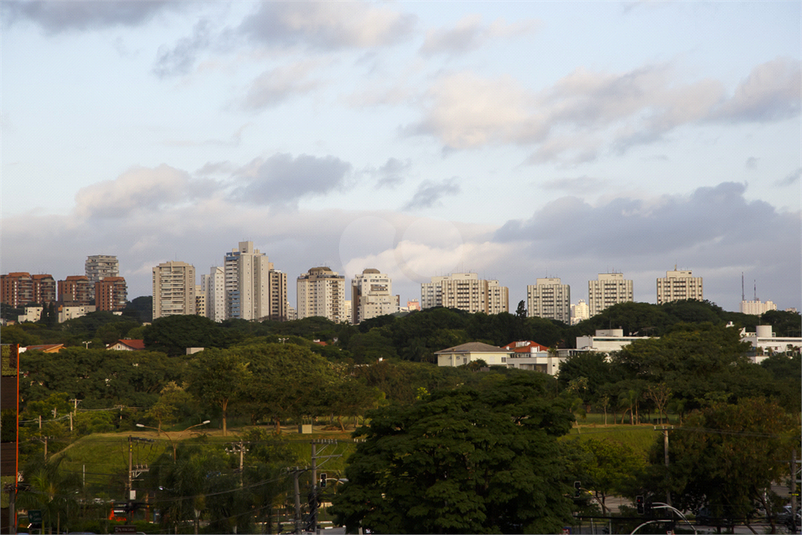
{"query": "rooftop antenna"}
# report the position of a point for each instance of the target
(755, 290)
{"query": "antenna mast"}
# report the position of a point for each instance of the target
(743, 296)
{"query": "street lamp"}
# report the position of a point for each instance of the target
(661, 505)
(172, 443)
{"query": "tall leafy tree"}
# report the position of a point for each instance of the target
(217, 377)
(480, 459)
(725, 458)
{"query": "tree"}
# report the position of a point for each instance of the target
(476, 459)
(521, 310)
(50, 490)
(606, 467)
(725, 458)
(172, 399)
(217, 377)
(174, 334)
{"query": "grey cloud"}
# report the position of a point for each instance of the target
(61, 16)
(751, 162)
(658, 226)
(280, 84)
(430, 193)
(181, 58)
(327, 25)
(579, 185)
(282, 179)
(391, 174)
(791, 179)
(770, 92)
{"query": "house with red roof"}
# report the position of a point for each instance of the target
(127, 345)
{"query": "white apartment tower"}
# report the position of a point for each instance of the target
(173, 289)
(371, 296)
(247, 283)
(465, 291)
(608, 290)
(321, 292)
(579, 312)
(678, 285)
(214, 285)
(549, 299)
(99, 267)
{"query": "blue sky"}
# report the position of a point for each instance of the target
(518, 140)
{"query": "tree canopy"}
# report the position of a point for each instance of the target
(480, 459)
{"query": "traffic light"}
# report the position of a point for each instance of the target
(640, 504)
(577, 489)
(323, 480)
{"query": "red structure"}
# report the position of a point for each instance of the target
(9, 450)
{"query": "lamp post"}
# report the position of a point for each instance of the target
(172, 442)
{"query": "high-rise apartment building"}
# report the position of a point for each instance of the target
(278, 295)
(372, 296)
(214, 287)
(111, 294)
(465, 291)
(678, 285)
(200, 300)
(579, 312)
(321, 292)
(550, 299)
(76, 290)
(98, 267)
(608, 290)
(16, 289)
(173, 289)
(247, 283)
(44, 289)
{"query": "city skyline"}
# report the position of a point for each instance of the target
(514, 140)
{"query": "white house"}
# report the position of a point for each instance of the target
(473, 351)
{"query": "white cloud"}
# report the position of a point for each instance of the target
(279, 84)
(470, 33)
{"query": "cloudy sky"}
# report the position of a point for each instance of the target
(516, 140)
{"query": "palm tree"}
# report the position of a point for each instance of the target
(50, 490)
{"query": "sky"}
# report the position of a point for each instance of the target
(517, 140)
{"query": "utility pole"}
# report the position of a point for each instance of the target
(314, 501)
(665, 429)
(793, 490)
(295, 474)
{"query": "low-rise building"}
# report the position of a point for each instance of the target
(606, 341)
(765, 343)
(69, 312)
(471, 352)
(127, 345)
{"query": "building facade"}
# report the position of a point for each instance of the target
(608, 290)
(678, 285)
(321, 292)
(173, 289)
(579, 312)
(16, 289)
(757, 307)
(465, 291)
(247, 283)
(111, 294)
(76, 290)
(214, 287)
(550, 299)
(99, 267)
(278, 295)
(372, 296)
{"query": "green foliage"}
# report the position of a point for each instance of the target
(605, 467)
(52, 491)
(218, 378)
(174, 334)
(725, 458)
(783, 323)
(140, 309)
(14, 334)
(97, 377)
(470, 460)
